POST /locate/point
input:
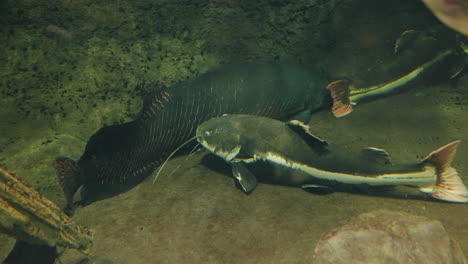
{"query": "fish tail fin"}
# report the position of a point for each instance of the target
(68, 173)
(341, 96)
(449, 186)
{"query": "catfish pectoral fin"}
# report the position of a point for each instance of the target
(303, 116)
(244, 177)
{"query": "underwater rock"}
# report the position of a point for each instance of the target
(384, 236)
(28, 216)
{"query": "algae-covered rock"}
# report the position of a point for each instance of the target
(63, 57)
(388, 237)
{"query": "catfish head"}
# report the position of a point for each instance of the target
(220, 138)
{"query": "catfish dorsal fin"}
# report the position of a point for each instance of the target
(377, 154)
(303, 130)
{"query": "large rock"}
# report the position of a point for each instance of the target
(391, 237)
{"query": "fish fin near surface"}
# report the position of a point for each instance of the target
(244, 177)
(449, 186)
(68, 173)
(341, 96)
(303, 130)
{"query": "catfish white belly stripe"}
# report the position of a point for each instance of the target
(425, 177)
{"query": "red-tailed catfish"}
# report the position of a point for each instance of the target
(288, 154)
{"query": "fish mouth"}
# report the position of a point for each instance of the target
(225, 149)
(205, 144)
(201, 140)
(227, 155)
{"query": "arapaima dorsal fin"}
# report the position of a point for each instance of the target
(155, 103)
(303, 130)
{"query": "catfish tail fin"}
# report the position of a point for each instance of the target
(340, 93)
(68, 172)
(449, 186)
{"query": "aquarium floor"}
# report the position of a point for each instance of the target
(196, 215)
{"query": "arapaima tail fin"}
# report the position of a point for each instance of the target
(340, 93)
(68, 173)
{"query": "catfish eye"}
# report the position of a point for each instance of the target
(207, 133)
